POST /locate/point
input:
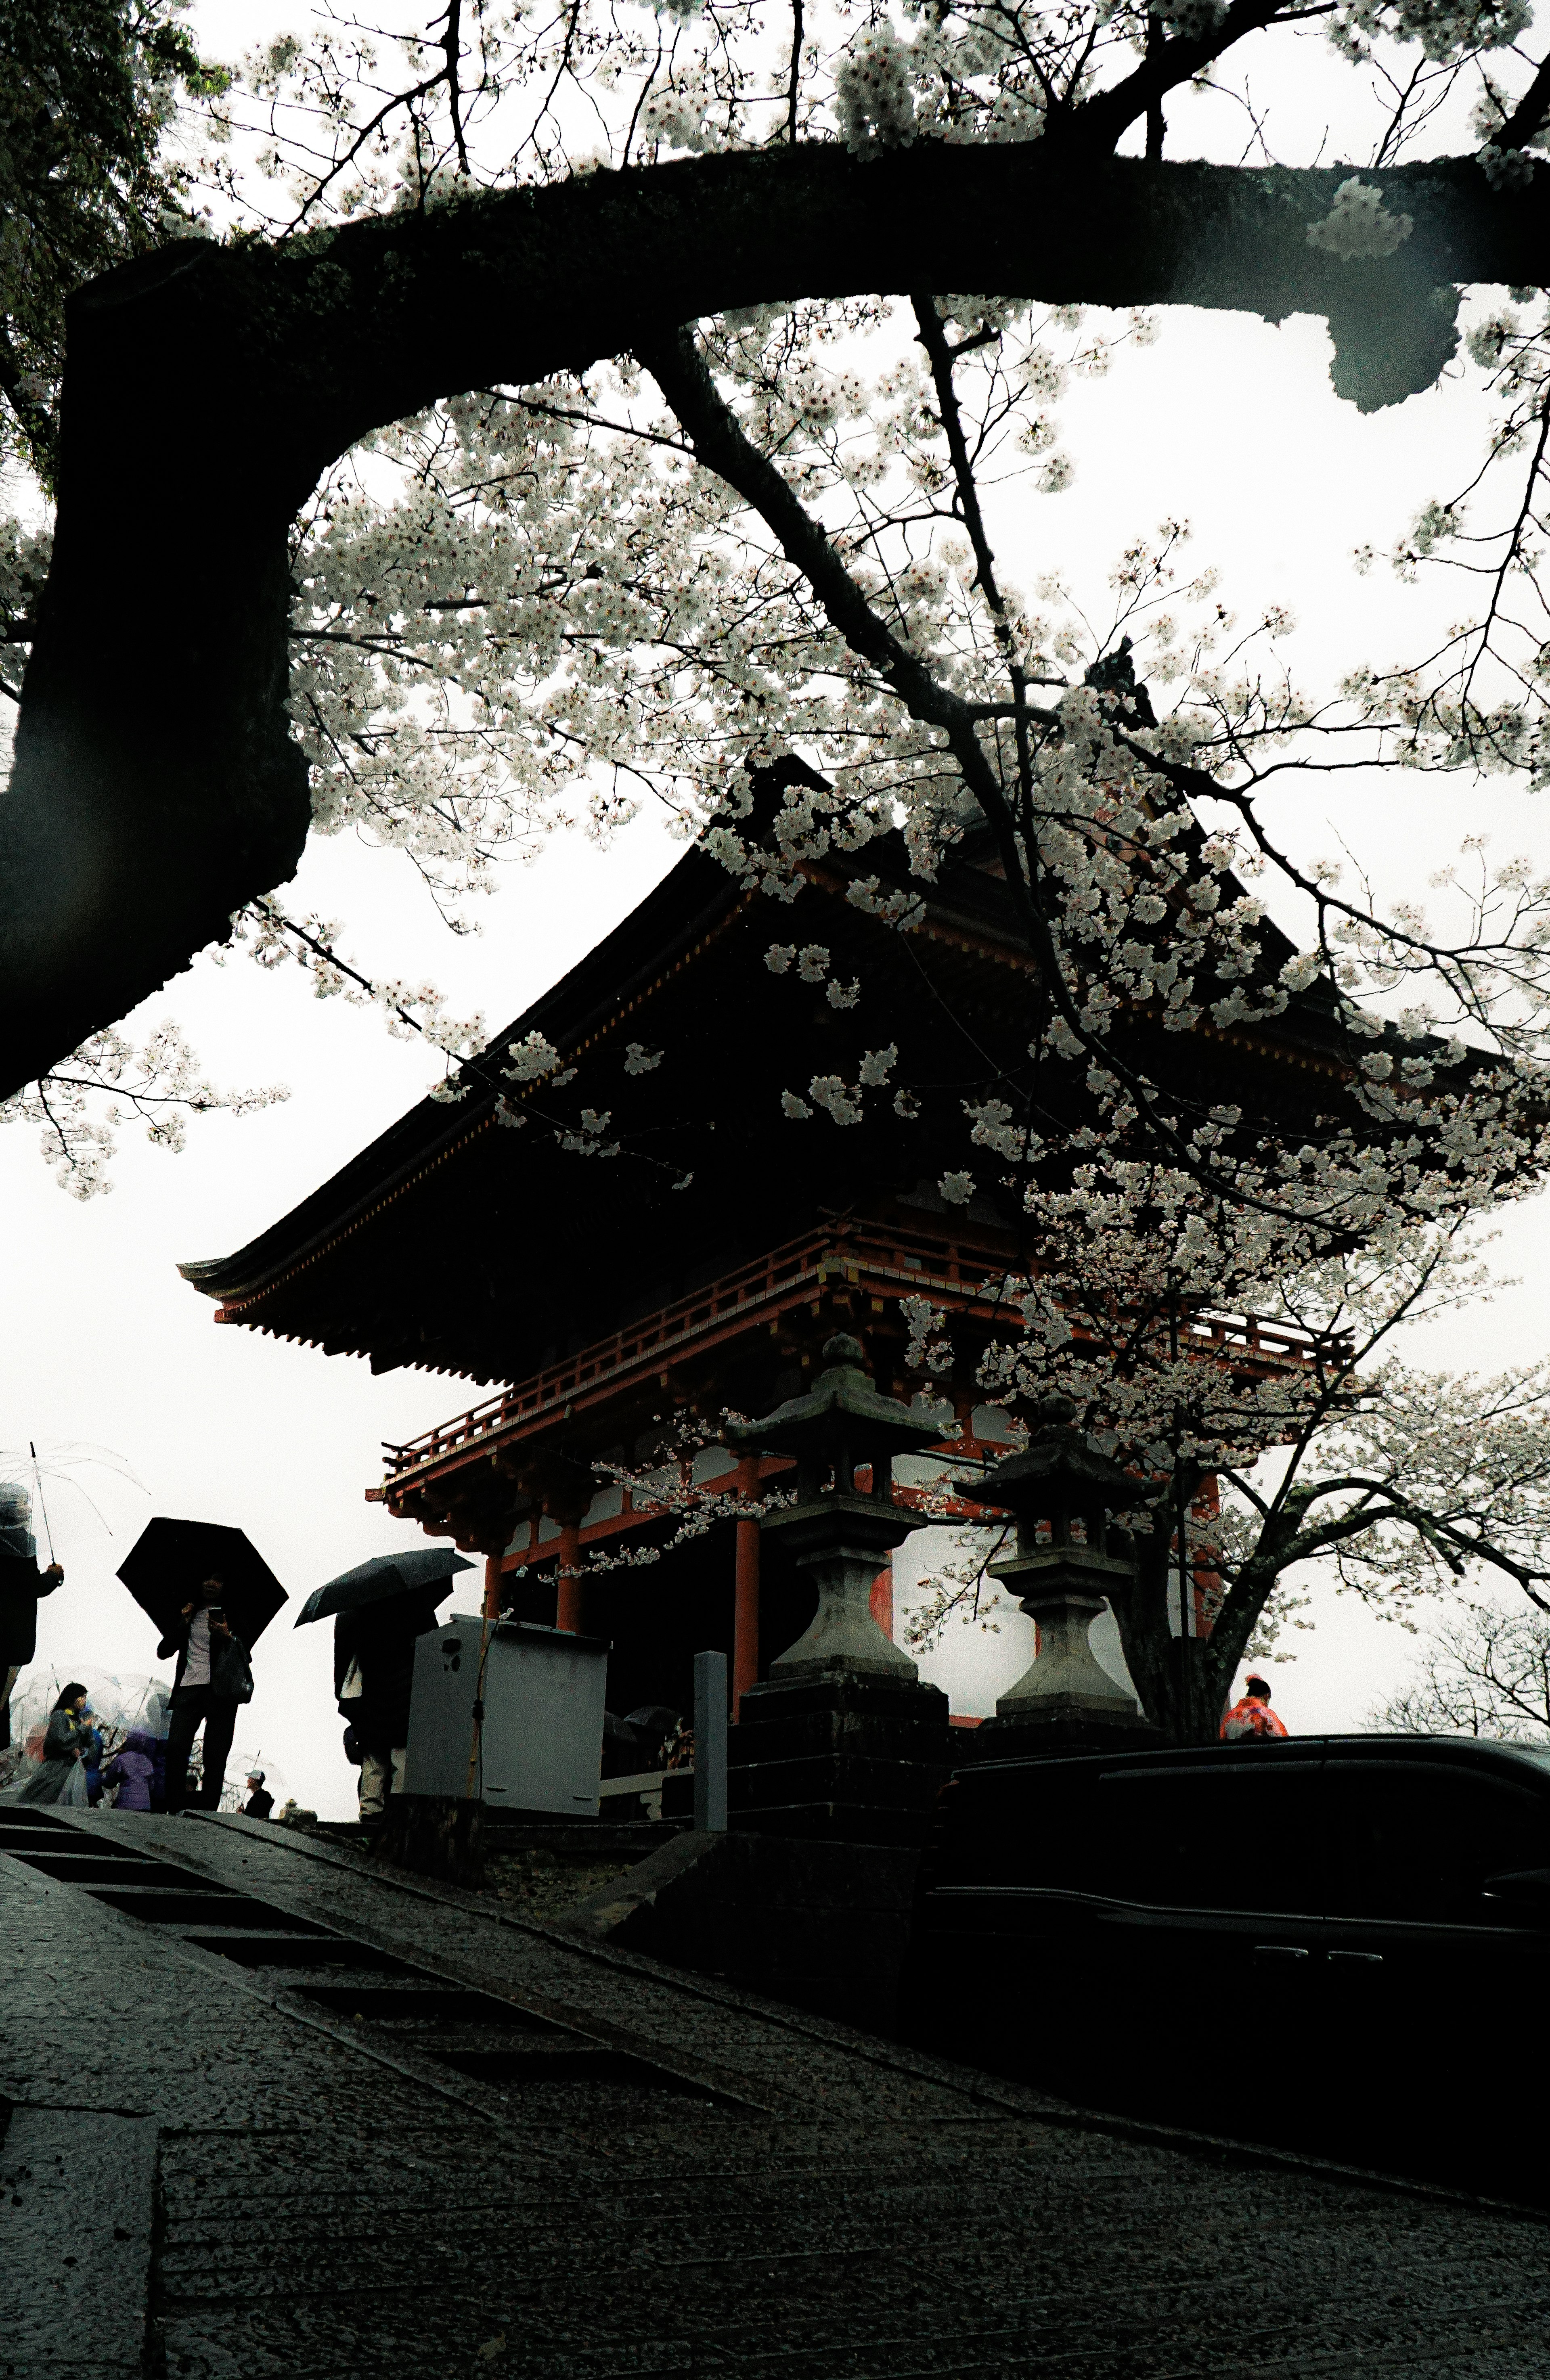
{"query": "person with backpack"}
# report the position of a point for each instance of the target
(212, 1680)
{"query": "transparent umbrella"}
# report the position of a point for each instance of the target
(67, 1480)
(120, 1703)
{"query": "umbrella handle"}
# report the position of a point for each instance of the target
(38, 1484)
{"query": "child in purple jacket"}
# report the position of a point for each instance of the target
(132, 1770)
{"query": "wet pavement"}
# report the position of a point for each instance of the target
(275, 2111)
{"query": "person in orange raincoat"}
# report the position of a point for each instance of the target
(1252, 1716)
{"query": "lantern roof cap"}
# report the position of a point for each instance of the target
(1057, 1455)
(844, 1399)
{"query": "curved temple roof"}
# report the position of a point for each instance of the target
(465, 1241)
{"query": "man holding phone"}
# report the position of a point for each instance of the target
(204, 1645)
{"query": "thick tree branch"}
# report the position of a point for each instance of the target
(208, 388)
(1530, 115)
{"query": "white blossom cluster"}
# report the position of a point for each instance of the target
(81, 1105)
(273, 939)
(531, 1058)
(875, 97)
(1148, 1308)
(1443, 29)
(1359, 224)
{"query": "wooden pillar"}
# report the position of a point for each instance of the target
(882, 1599)
(492, 1586)
(745, 1597)
(567, 1602)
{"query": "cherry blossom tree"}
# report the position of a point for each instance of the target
(830, 456)
(1401, 1481)
(597, 418)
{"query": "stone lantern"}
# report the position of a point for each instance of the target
(842, 1738)
(841, 1535)
(1064, 1574)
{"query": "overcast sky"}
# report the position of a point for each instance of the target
(1228, 422)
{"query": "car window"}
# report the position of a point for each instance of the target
(1244, 1835)
(1418, 1842)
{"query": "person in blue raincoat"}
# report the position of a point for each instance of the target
(133, 1770)
(91, 1755)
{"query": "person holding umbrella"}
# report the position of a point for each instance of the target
(211, 1667)
(22, 1587)
(379, 1610)
(373, 1672)
(211, 1595)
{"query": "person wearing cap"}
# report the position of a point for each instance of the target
(259, 1804)
(22, 1587)
(1251, 1715)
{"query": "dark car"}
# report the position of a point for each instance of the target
(1341, 1942)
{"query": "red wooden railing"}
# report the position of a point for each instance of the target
(894, 1262)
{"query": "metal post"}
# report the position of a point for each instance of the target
(745, 1605)
(710, 1743)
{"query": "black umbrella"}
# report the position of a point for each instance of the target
(373, 1582)
(170, 1559)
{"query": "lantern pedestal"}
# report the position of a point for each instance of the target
(848, 1758)
(1063, 1594)
(1061, 1492)
(843, 1741)
(1066, 1701)
(843, 1540)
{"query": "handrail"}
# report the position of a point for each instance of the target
(895, 1259)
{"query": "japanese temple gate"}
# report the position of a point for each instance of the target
(700, 1269)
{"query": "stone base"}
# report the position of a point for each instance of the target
(431, 1835)
(1040, 1736)
(851, 1759)
(825, 1925)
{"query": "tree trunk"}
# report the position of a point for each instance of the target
(156, 787)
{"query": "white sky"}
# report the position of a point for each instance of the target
(1226, 421)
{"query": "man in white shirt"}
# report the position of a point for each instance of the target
(201, 1637)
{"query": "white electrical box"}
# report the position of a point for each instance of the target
(540, 1744)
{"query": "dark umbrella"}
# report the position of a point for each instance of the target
(170, 1559)
(373, 1582)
